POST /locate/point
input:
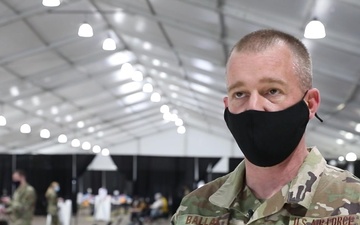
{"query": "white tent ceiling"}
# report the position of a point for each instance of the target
(51, 78)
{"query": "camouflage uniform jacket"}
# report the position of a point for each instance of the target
(52, 200)
(22, 205)
(319, 194)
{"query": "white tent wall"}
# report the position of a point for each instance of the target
(194, 143)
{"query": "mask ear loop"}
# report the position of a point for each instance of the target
(316, 115)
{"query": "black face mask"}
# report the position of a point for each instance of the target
(268, 138)
(16, 183)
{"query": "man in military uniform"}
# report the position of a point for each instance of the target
(269, 101)
(52, 202)
(22, 206)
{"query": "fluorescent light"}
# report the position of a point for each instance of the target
(349, 135)
(85, 30)
(68, 118)
(167, 116)
(109, 44)
(137, 76)
(339, 141)
(155, 97)
(51, 3)
(100, 134)
(156, 62)
(14, 91)
(35, 100)
(126, 69)
(147, 46)
(164, 109)
(105, 152)
(91, 129)
(80, 124)
(174, 95)
(75, 143)
(148, 88)
(62, 138)
(163, 75)
(174, 117)
(45, 133)
(2, 120)
(314, 30)
(351, 157)
(39, 112)
(179, 122)
(86, 145)
(357, 128)
(96, 149)
(54, 110)
(181, 130)
(25, 128)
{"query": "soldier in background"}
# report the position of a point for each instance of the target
(52, 202)
(270, 99)
(22, 205)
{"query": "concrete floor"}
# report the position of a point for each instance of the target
(88, 220)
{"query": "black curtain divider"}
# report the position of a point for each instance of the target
(82, 162)
(5, 174)
(41, 170)
(124, 165)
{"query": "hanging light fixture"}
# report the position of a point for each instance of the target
(155, 97)
(51, 3)
(25, 128)
(2, 120)
(109, 44)
(148, 88)
(45, 133)
(315, 30)
(85, 30)
(62, 138)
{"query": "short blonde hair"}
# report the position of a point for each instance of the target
(261, 40)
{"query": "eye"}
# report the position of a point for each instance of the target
(238, 94)
(273, 91)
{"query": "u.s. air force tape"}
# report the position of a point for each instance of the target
(333, 220)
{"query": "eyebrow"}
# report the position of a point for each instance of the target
(269, 80)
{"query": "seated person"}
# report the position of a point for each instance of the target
(159, 208)
(138, 210)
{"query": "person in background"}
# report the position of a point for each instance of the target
(137, 210)
(52, 202)
(159, 208)
(270, 99)
(22, 205)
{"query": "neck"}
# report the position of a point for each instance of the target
(266, 181)
(22, 183)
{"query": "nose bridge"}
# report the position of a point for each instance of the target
(254, 102)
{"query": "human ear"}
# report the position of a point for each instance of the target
(226, 102)
(313, 101)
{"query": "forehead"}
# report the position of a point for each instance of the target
(276, 53)
(273, 62)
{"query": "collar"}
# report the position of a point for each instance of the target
(299, 191)
(227, 193)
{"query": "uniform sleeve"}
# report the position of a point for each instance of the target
(24, 204)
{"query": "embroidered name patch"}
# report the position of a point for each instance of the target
(203, 220)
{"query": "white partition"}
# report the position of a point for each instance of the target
(102, 208)
(65, 209)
